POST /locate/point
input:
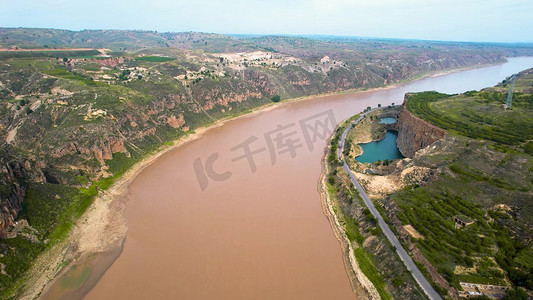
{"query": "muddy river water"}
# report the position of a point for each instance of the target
(236, 214)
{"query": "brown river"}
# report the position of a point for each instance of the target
(236, 214)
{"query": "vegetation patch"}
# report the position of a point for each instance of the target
(53, 221)
(49, 53)
(154, 58)
(478, 115)
(376, 257)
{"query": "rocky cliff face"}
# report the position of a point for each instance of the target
(73, 121)
(12, 192)
(415, 133)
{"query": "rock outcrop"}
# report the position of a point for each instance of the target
(415, 133)
(12, 192)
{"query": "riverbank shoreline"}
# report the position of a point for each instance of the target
(357, 278)
(103, 226)
(106, 212)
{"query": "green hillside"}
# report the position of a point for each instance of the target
(484, 174)
(73, 121)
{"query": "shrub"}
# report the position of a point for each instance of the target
(529, 148)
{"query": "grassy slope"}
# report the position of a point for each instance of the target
(484, 165)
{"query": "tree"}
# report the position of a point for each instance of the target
(124, 75)
(379, 105)
(518, 294)
(276, 98)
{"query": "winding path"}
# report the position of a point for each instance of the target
(409, 263)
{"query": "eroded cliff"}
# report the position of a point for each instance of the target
(414, 133)
(12, 191)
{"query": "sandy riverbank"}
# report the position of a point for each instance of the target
(103, 227)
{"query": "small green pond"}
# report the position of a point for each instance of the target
(381, 150)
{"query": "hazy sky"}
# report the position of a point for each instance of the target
(458, 20)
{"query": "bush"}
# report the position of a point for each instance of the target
(518, 294)
(398, 281)
(529, 148)
(276, 98)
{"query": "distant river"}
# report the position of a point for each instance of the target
(257, 229)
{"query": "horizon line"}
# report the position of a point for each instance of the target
(308, 35)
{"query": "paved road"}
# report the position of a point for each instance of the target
(409, 263)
